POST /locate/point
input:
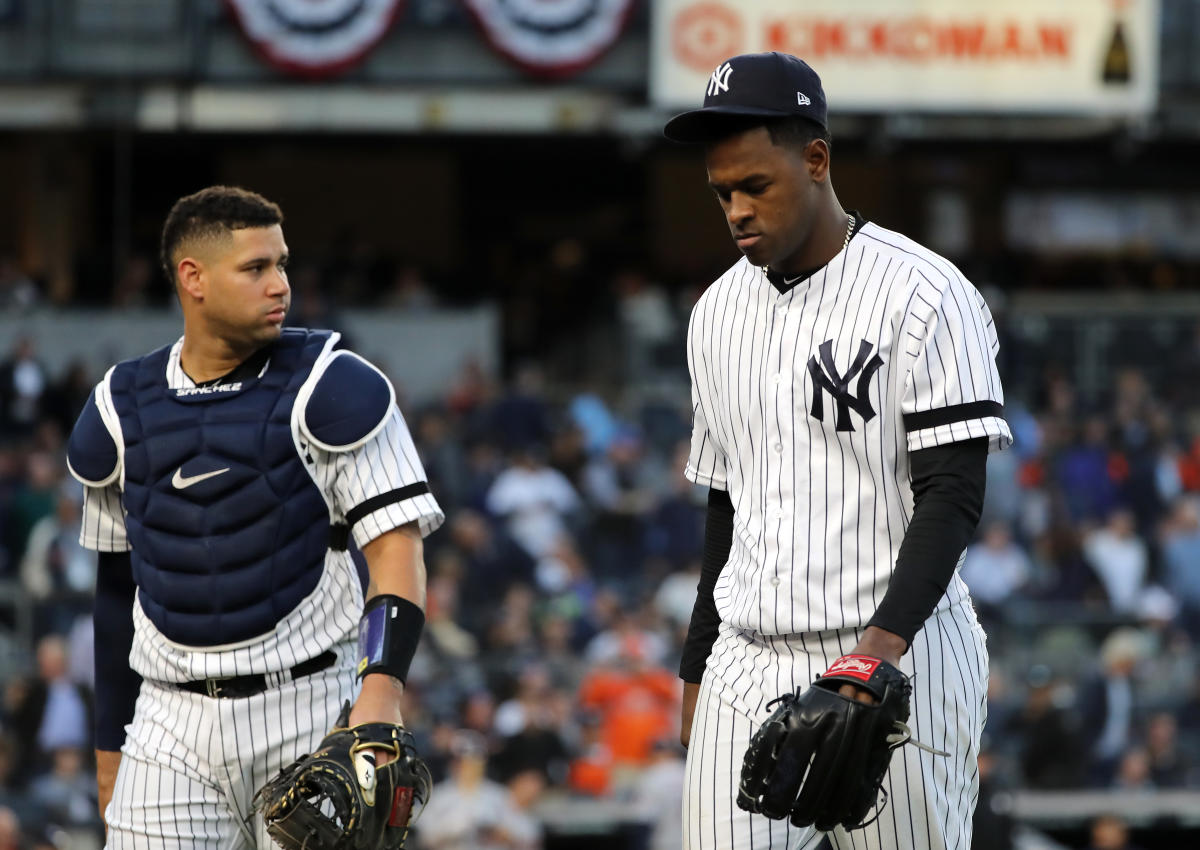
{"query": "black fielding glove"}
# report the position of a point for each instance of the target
(820, 758)
(372, 805)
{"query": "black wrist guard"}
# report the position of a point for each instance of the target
(388, 634)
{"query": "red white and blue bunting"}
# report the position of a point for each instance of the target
(315, 38)
(552, 38)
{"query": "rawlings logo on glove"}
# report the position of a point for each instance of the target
(371, 803)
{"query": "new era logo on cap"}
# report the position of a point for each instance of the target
(769, 86)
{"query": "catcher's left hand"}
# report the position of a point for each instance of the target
(821, 756)
(371, 804)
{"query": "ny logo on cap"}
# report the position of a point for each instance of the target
(719, 81)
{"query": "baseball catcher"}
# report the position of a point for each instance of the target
(371, 804)
(821, 756)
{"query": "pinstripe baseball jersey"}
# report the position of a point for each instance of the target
(806, 401)
(329, 615)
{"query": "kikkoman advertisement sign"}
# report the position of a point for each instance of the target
(1097, 57)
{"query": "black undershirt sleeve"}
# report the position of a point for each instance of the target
(948, 486)
(702, 631)
(116, 684)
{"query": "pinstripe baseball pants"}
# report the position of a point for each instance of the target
(191, 764)
(930, 798)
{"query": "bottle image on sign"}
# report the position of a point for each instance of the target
(1116, 58)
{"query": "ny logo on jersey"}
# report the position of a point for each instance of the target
(829, 380)
(719, 81)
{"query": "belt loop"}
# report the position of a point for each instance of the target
(212, 687)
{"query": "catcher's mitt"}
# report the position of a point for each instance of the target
(371, 805)
(820, 758)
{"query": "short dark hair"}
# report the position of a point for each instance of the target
(210, 213)
(788, 131)
(797, 131)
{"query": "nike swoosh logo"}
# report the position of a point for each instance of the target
(179, 481)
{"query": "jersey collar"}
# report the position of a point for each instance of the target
(784, 285)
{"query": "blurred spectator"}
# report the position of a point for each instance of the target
(1083, 471)
(1107, 701)
(68, 792)
(1133, 771)
(12, 796)
(591, 771)
(472, 389)
(466, 810)
(441, 607)
(1181, 561)
(65, 398)
(676, 595)
(443, 458)
(132, 289)
(18, 292)
(1063, 574)
(1109, 832)
(564, 664)
(518, 828)
(492, 562)
(10, 830)
(658, 796)
(628, 641)
(647, 323)
(1051, 753)
(81, 652)
(32, 499)
(23, 382)
(1120, 559)
(995, 569)
(675, 530)
(636, 701)
(409, 291)
(534, 500)
(615, 490)
(520, 420)
(596, 423)
(57, 572)
(1168, 763)
(50, 713)
(532, 738)
(1002, 492)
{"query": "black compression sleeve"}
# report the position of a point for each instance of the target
(116, 684)
(702, 631)
(948, 485)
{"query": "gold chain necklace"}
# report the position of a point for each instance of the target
(845, 243)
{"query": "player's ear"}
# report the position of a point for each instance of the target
(189, 272)
(816, 157)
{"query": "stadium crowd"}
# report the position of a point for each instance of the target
(561, 587)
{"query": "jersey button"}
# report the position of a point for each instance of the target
(779, 448)
(777, 377)
(775, 581)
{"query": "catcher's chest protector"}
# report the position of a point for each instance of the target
(229, 532)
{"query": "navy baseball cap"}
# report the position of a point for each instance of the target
(753, 85)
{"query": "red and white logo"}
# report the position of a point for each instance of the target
(706, 34)
(855, 666)
(552, 38)
(315, 38)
